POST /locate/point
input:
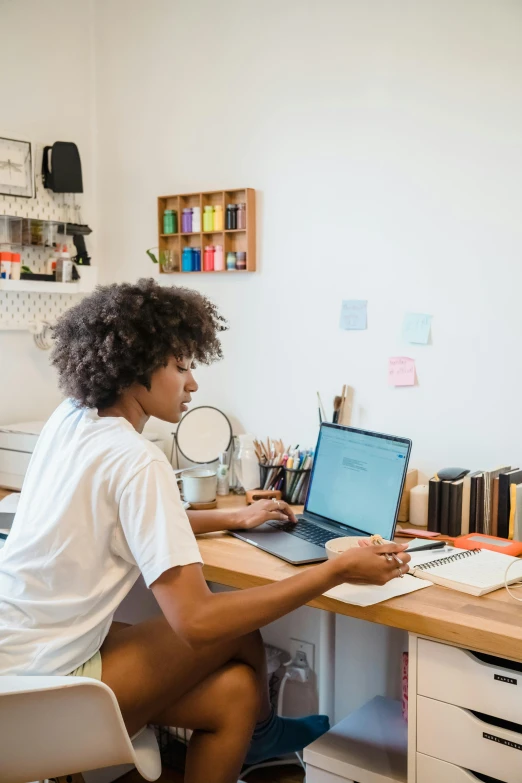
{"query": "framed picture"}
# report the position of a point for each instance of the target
(16, 168)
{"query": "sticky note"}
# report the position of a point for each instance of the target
(353, 314)
(401, 371)
(416, 328)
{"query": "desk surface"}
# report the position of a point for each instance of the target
(491, 624)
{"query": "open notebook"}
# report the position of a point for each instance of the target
(473, 571)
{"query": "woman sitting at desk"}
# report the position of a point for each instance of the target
(100, 504)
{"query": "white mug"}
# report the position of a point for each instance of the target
(199, 485)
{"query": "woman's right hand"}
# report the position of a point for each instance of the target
(369, 565)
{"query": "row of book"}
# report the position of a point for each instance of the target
(487, 502)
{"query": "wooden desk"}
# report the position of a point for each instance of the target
(491, 624)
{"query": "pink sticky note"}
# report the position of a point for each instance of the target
(401, 371)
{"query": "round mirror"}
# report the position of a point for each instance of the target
(203, 434)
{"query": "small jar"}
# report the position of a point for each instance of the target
(170, 222)
(218, 218)
(241, 216)
(231, 217)
(241, 261)
(219, 260)
(231, 260)
(208, 259)
(196, 259)
(16, 265)
(208, 218)
(5, 265)
(186, 221)
(196, 220)
(186, 260)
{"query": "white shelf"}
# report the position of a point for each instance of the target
(40, 286)
(89, 275)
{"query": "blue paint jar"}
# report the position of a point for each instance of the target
(187, 260)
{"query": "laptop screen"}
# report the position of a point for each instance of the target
(357, 479)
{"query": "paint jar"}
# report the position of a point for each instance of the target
(208, 259)
(208, 218)
(186, 221)
(196, 220)
(218, 218)
(231, 217)
(241, 216)
(219, 259)
(186, 260)
(170, 221)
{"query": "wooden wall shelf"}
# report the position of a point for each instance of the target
(231, 240)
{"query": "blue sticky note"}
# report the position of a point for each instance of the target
(353, 314)
(416, 328)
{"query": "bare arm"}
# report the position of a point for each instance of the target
(201, 617)
(244, 518)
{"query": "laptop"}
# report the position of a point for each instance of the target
(355, 490)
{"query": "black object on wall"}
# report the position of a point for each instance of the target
(62, 168)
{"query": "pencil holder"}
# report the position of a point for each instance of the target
(271, 476)
(296, 485)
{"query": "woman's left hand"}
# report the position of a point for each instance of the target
(262, 511)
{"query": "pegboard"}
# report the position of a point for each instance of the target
(18, 310)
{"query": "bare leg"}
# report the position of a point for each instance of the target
(219, 691)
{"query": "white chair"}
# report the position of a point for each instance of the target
(54, 726)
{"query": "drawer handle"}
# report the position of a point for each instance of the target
(501, 741)
(501, 678)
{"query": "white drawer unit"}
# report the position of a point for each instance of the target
(430, 770)
(458, 677)
(369, 746)
(459, 737)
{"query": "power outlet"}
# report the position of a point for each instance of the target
(298, 645)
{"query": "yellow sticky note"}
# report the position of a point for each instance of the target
(401, 371)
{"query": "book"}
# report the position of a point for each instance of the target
(494, 507)
(504, 482)
(455, 508)
(466, 497)
(472, 571)
(517, 525)
(474, 477)
(434, 504)
(489, 478)
(445, 507)
(512, 509)
(480, 514)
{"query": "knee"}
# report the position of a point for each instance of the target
(240, 690)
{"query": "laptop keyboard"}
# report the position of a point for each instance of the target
(305, 530)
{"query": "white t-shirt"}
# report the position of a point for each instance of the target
(99, 504)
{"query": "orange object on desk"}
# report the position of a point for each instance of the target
(482, 541)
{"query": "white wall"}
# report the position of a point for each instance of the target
(46, 95)
(383, 139)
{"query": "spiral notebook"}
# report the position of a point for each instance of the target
(473, 571)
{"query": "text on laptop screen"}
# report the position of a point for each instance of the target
(357, 479)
